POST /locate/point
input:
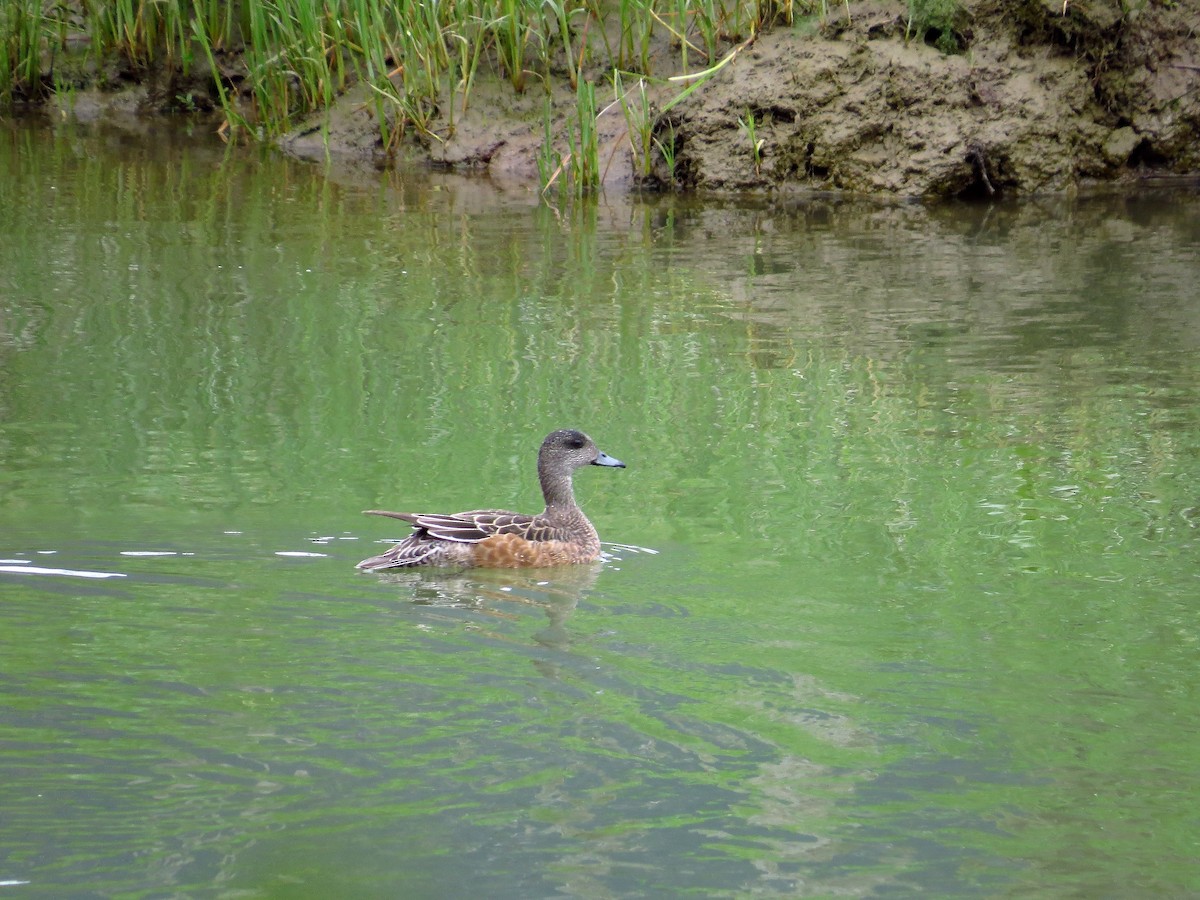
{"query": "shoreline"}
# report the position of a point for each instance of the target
(1040, 98)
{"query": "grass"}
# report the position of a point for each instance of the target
(549, 160)
(274, 62)
(639, 122)
(749, 127)
(667, 147)
(583, 139)
(941, 20)
(22, 31)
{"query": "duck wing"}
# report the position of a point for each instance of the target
(472, 526)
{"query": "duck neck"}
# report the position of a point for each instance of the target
(557, 489)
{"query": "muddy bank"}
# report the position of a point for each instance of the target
(1039, 96)
(1034, 101)
(1037, 102)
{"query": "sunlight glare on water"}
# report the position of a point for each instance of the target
(898, 595)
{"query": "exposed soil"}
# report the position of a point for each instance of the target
(1037, 101)
(1038, 98)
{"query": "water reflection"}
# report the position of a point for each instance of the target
(501, 593)
(920, 482)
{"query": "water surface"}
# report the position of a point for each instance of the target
(901, 578)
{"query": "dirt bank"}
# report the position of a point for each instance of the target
(1039, 96)
(1035, 101)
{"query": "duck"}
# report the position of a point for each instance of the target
(496, 538)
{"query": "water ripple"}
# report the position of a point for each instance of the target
(74, 573)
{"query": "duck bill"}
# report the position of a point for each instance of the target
(605, 460)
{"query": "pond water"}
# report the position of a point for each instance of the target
(900, 589)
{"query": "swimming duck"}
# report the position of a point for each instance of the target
(496, 538)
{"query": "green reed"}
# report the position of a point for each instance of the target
(469, 50)
(637, 19)
(668, 148)
(945, 18)
(371, 65)
(296, 58)
(708, 25)
(513, 31)
(749, 127)
(680, 24)
(22, 28)
(581, 164)
(584, 140)
(233, 115)
(562, 14)
(147, 33)
(549, 160)
(639, 123)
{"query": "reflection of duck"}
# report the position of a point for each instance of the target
(562, 585)
(496, 538)
(504, 594)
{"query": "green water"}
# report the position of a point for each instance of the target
(901, 596)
